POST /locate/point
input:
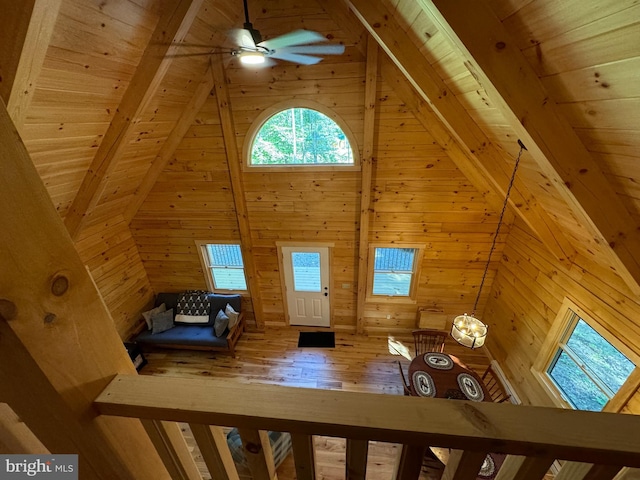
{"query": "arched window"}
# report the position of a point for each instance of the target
(300, 136)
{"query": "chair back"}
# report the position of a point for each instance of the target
(494, 385)
(429, 341)
(405, 384)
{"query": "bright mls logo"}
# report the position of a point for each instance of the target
(50, 467)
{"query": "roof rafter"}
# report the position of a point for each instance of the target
(171, 29)
(22, 61)
(188, 116)
(463, 131)
(499, 65)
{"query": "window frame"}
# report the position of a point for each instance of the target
(415, 276)
(269, 112)
(561, 330)
(208, 269)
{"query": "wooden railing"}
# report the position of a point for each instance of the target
(533, 437)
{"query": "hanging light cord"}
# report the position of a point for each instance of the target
(495, 237)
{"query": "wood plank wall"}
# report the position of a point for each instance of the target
(526, 297)
(111, 256)
(419, 196)
(191, 201)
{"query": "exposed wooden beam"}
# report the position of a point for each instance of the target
(170, 145)
(171, 29)
(235, 172)
(49, 300)
(461, 128)
(28, 391)
(15, 437)
(28, 50)
(366, 165)
(512, 84)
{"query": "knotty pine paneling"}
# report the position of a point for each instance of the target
(92, 55)
(526, 296)
(191, 201)
(420, 197)
(111, 256)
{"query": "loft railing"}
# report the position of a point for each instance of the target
(534, 437)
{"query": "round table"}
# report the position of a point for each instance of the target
(439, 375)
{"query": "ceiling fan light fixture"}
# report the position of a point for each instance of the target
(251, 58)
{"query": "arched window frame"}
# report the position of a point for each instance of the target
(299, 103)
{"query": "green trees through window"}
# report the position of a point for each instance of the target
(587, 369)
(300, 136)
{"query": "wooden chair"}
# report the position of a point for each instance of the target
(405, 384)
(429, 341)
(494, 385)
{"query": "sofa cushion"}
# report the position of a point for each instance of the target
(169, 299)
(217, 301)
(196, 335)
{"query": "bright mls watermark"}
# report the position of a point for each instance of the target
(50, 467)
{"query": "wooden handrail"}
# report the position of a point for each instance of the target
(535, 432)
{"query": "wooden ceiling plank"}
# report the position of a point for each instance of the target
(172, 27)
(516, 90)
(34, 48)
(188, 116)
(460, 131)
(235, 173)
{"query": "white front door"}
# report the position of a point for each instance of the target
(306, 276)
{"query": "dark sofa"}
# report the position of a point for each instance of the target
(196, 336)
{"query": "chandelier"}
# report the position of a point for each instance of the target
(468, 330)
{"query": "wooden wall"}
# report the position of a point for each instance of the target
(191, 201)
(527, 294)
(419, 196)
(111, 256)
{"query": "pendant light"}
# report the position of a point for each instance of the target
(468, 330)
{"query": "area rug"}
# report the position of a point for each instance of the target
(317, 339)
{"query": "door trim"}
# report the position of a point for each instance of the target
(283, 283)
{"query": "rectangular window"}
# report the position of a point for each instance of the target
(584, 368)
(394, 271)
(225, 267)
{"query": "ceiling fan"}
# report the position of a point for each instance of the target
(293, 47)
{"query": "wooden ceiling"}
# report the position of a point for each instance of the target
(101, 102)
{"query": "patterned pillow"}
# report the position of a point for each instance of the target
(193, 307)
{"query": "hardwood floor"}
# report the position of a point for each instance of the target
(357, 363)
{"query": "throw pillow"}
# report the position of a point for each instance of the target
(193, 307)
(220, 325)
(161, 322)
(147, 315)
(232, 314)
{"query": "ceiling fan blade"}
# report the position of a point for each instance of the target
(243, 38)
(314, 49)
(297, 37)
(295, 57)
